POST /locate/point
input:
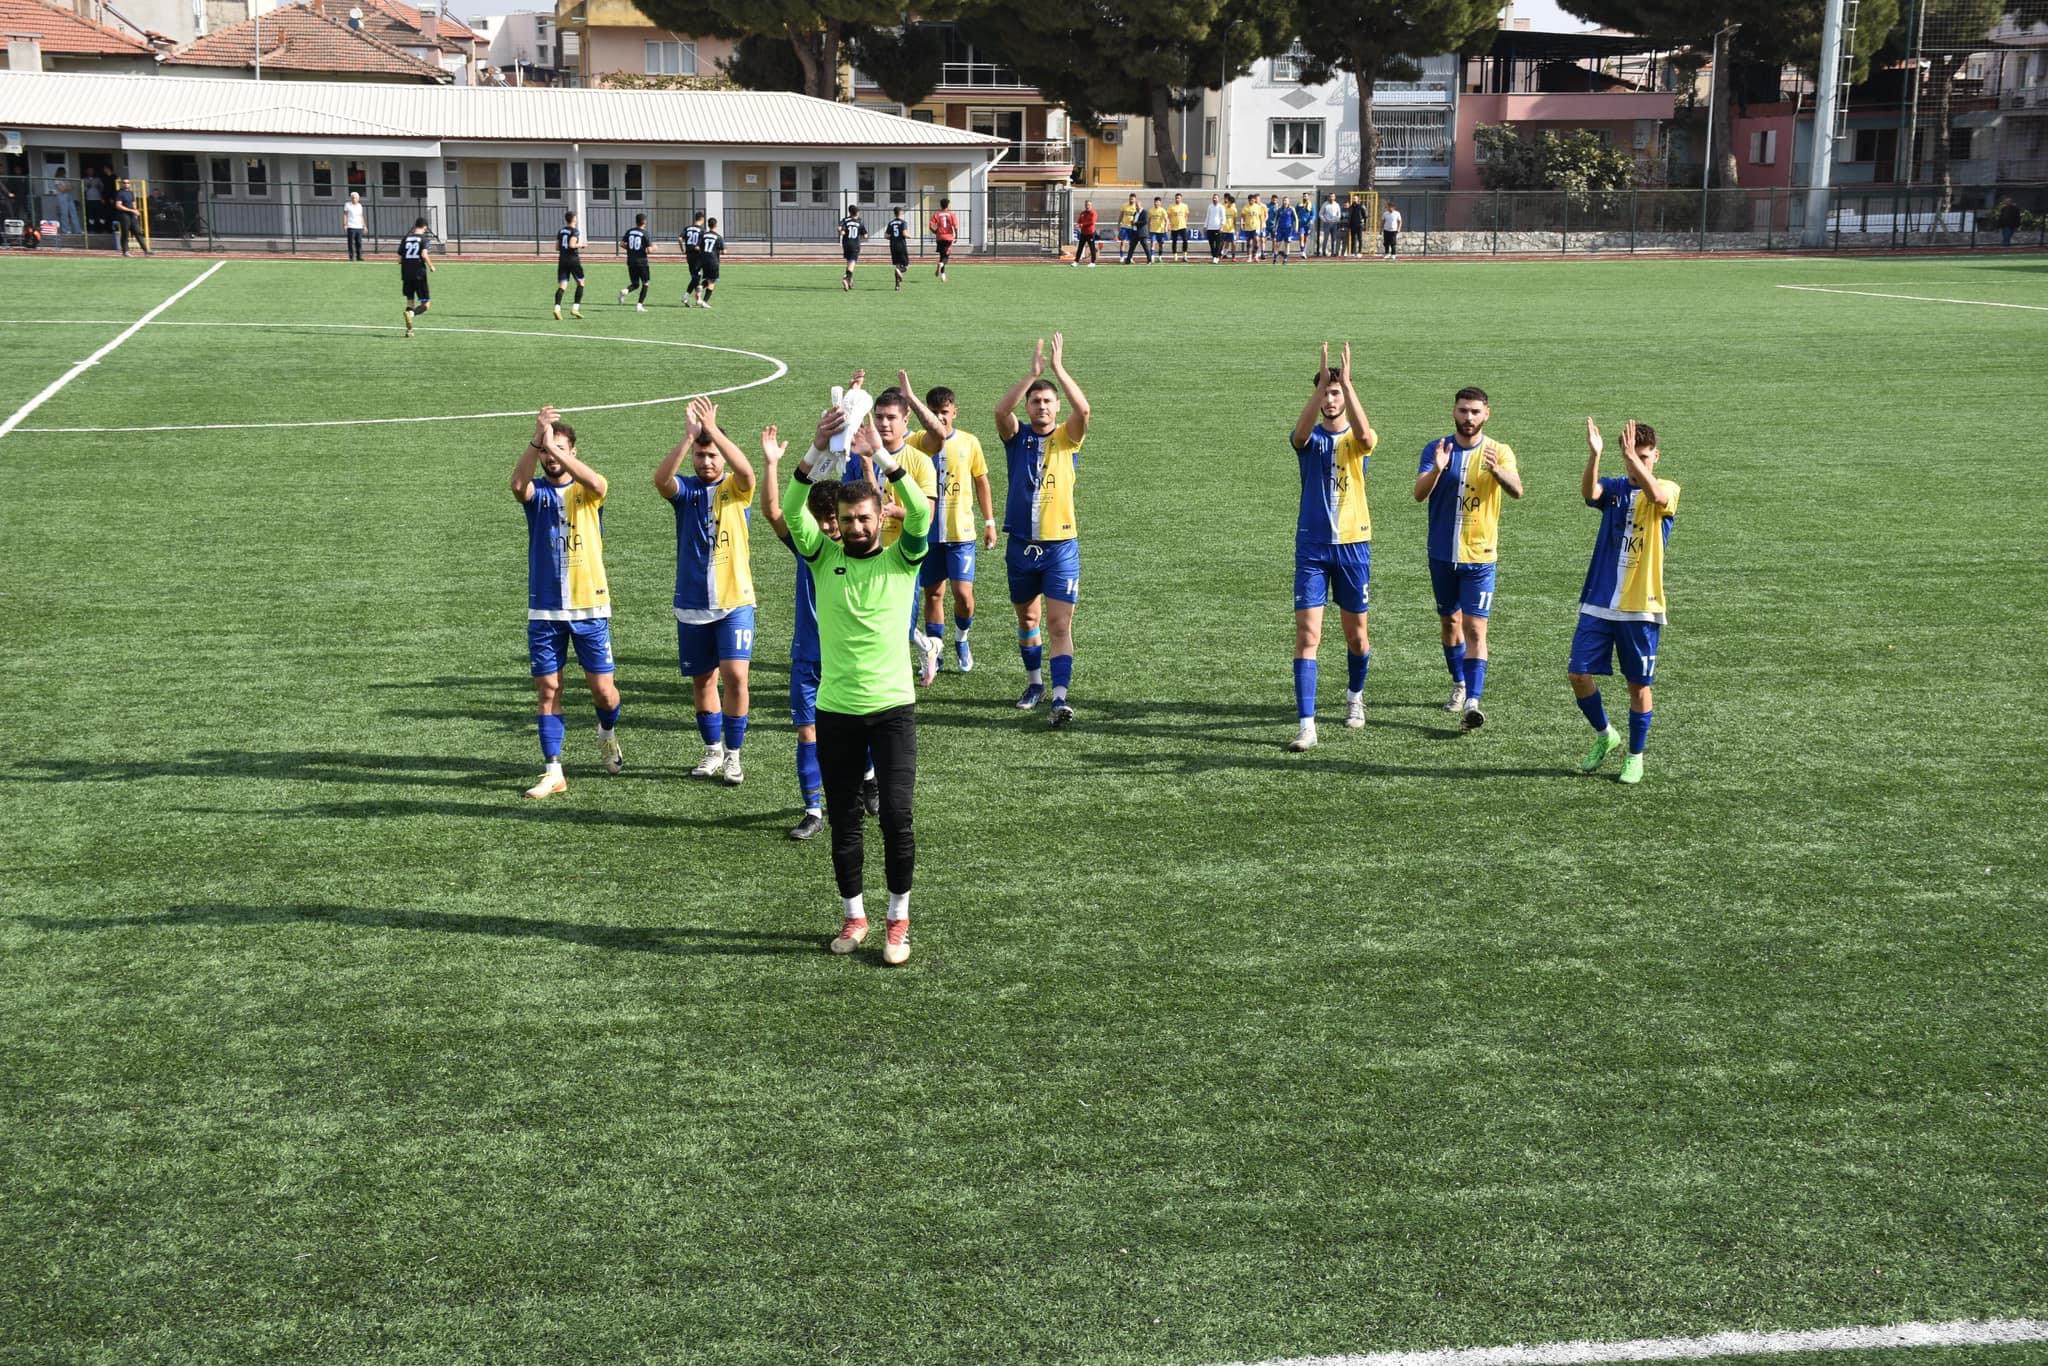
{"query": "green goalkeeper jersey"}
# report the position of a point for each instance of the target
(864, 604)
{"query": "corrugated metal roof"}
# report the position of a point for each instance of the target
(459, 113)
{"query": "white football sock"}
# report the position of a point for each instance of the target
(899, 905)
(856, 908)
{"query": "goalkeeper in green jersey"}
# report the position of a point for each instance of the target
(866, 696)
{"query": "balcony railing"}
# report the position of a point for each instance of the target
(981, 76)
(2025, 97)
(1048, 154)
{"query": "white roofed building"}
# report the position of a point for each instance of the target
(492, 168)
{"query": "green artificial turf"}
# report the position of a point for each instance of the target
(320, 1043)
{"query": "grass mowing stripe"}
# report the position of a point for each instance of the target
(1959, 1333)
(15, 418)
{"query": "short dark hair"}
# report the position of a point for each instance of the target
(1471, 391)
(419, 222)
(1325, 378)
(1040, 383)
(854, 492)
(892, 397)
(713, 225)
(1646, 435)
(564, 430)
(945, 203)
(698, 217)
(569, 217)
(895, 208)
(939, 397)
(638, 219)
(853, 210)
(823, 499)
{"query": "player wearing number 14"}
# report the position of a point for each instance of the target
(714, 601)
(1621, 608)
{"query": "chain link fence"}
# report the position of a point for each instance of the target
(1022, 221)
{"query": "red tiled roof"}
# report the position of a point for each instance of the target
(401, 24)
(296, 38)
(61, 31)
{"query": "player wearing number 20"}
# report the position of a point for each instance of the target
(714, 601)
(1621, 608)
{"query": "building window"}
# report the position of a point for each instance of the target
(323, 180)
(899, 184)
(391, 174)
(1412, 137)
(920, 116)
(222, 171)
(1208, 138)
(785, 184)
(636, 186)
(522, 185)
(1287, 66)
(1962, 144)
(671, 59)
(601, 179)
(1763, 147)
(416, 182)
(551, 180)
(1297, 138)
(864, 178)
(256, 172)
(1865, 148)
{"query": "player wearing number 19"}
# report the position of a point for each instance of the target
(1333, 442)
(714, 602)
(568, 602)
(1621, 608)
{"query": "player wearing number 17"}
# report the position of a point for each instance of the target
(568, 602)
(1621, 608)
(1333, 441)
(1463, 477)
(714, 600)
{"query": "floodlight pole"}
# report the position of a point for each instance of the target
(1707, 169)
(1827, 100)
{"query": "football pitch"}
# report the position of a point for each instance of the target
(320, 1043)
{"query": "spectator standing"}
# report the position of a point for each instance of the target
(2008, 220)
(95, 208)
(129, 218)
(1390, 233)
(1354, 226)
(352, 224)
(1330, 226)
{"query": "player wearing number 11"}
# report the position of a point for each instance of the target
(714, 601)
(1621, 608)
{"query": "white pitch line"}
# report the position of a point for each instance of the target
(1916, 298)
(14, 420)
(1955, 1333)
(781, 369)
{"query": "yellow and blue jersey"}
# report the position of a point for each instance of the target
(714, 561)
(565, 554)
(1625, 581)
(1230, 218)
(958, 462)
(918, 466)
(1042, 470)
(1464, 507)
(1333, 506)
(1177, 216)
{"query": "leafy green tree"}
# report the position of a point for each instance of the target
(815, 30)
(907, 61)
(1577, 163)
(762, 62)
(1097, 58)
(1375, 40)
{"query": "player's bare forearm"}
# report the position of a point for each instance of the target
(582, 473)
(1310, 411)
(926, 418)
(985, 499)
(1354, 411)
(1589, 479)
(1509, 480)
(735, 459)
(1077, 402)
(1425, 482)
(522, 471)
(1006, 407)
(665, 472)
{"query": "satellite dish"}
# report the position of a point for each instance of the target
(356, 13)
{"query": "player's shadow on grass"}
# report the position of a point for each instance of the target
(322, 766)
(1164, 718)
(668, 939)
(1184, 764)
(564, 811)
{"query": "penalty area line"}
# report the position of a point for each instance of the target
(1953, 1333)
(1916, 298)
(19, 414)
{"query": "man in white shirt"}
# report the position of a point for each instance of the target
(352, 223)
(1330, 227)
(1390, 233)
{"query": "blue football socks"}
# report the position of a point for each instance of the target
(735, 732)
(1475, 678)
(550, 728)
(1355, 667)
(1304, 688)
(1595, 711)
(711, 726)
(1638, 730)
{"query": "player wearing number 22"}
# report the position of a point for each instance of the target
(1621, 608)
(714, 600)
(568, 602)
(1463, 477)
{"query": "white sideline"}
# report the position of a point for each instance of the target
(1955, 1333)
(15, 419)
(1916, 298)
